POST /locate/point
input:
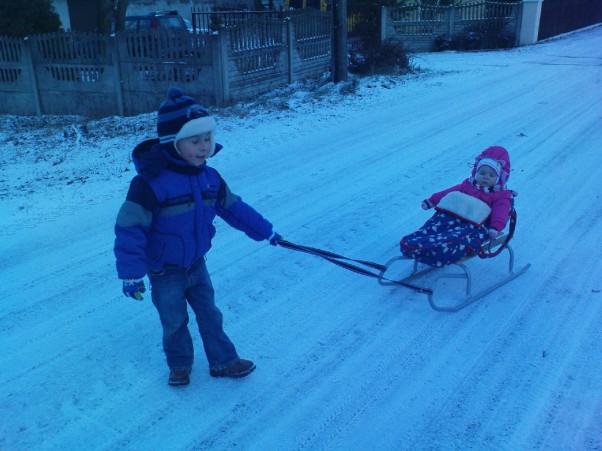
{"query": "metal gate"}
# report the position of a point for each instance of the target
(363, 24)
(561, 16)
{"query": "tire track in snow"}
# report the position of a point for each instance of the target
(569, 407)
(316, 367)
(324, 427)
(445, 118)
(320, 433)
(349, 367)
(517, 378)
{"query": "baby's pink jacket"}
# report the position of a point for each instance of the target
(499, 201)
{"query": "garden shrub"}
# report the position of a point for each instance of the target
(488, 35)
(375, 57)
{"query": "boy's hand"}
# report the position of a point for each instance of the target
(134, 288)
(425, 205)
(275, 238)
(493, 233)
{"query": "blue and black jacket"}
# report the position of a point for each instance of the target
(167, 218)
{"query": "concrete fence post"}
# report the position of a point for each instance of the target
(117, 82)
(28, 60)
(221, 83)
(529, 22)
(451, 20)
(383, 23)
(288, 26)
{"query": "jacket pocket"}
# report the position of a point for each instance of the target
(166, 249)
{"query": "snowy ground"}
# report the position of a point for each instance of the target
(342, 362)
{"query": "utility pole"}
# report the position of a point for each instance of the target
(339, 40)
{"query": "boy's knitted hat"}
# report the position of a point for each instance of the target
(181, 117)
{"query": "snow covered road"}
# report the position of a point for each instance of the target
(342, 362)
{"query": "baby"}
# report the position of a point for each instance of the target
(466, 215)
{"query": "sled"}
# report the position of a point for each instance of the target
(465, 274)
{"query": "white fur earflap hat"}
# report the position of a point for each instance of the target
(493, 164)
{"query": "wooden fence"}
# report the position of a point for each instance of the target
(129, 74)
(206, 21)
(419, 26)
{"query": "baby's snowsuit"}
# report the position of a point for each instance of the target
(449, 236)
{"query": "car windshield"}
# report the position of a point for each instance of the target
(131, 25)
(171, 22)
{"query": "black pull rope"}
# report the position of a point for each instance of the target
(341, 261)
(327, 254)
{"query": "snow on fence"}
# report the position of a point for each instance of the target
(419, 26)
(73, 72)
(128, 74)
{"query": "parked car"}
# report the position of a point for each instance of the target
(164, 35)
(158, 20)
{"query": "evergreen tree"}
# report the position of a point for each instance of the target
(23, 18)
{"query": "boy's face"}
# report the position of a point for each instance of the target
(196, 149)
(486, 176)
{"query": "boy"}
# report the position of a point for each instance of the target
(165, 227)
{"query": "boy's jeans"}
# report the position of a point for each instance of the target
(170, 290)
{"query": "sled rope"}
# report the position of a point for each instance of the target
(342, 261)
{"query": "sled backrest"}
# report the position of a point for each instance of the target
(501, 241)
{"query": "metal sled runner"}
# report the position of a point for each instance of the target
(490, 249)
(465, 274)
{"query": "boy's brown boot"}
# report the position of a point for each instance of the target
(241, 368)
(179, 377)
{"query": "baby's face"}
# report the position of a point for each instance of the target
(486, 176)
(196, 149)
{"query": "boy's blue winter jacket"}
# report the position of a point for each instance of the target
(167, 218)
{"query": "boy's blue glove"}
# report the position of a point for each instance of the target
(134, 288)
(275, 238)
